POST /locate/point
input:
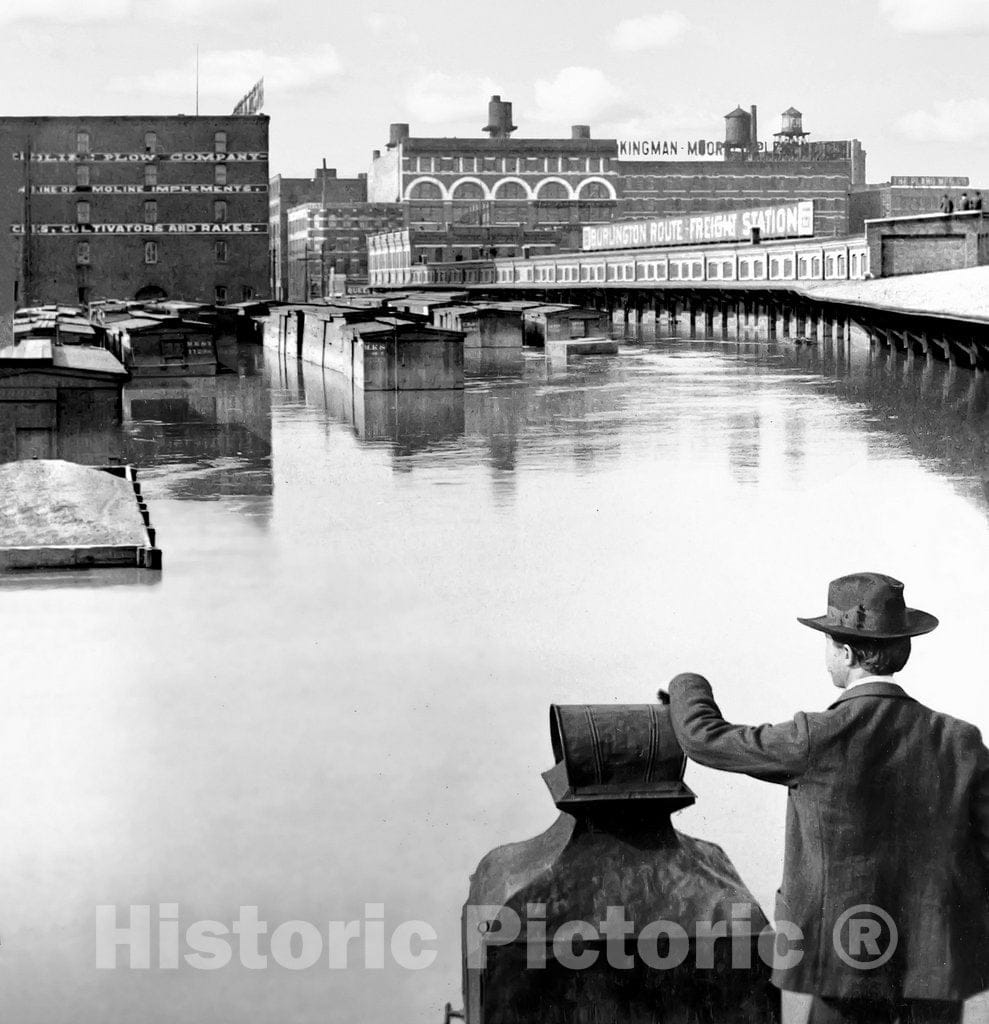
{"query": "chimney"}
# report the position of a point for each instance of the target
(754, 130)
(580, 131)
(397, 134)
(375, 154)
(499, 124)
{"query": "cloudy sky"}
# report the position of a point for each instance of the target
(907, 77)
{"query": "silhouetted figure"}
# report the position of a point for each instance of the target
(947, 206)
(976, 203)
(963, 202)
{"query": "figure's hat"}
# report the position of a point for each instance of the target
(869, 606)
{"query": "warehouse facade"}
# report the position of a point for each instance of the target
(134, 207)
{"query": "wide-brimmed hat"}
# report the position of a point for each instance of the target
(869, 606)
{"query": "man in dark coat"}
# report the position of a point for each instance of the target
(976, 203)
(947, 206)
(884, 897)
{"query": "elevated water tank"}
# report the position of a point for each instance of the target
(792, 126)
(738, 129)
(580, 131)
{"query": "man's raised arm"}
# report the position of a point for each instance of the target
(775, 753)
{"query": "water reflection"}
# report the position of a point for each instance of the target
(349, 705)
(208, 437)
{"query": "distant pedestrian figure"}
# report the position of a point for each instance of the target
(976, 203)
(963, 202)
(947, 206)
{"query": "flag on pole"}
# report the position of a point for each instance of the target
(252, 101)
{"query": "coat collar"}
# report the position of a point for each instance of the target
(875, 689)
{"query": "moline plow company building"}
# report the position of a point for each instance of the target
(133, 208)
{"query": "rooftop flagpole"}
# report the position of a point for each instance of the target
(197, 79)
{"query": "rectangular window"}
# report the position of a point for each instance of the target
(150, 252)
(82, 176)
(82, 142)
(220, 142)
(82, 253)
(246, 293)
(221, 250)
(220, 210)
(151, 211)
(758, 268)
(841, 266)
(220, 294)
(82, 212)
(712, 269)
(743, 268)
(150, 174)
(150, 142)
(220, 174)
(788, 268)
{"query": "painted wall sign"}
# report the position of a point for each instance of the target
(788, 220)
(914, 181)
(143, 158)
(104, 190)
(673, 149)
(142, 229)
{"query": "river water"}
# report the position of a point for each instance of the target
(336, 694)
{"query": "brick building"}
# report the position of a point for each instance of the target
(472, 198)
(909, 195)
(468, 197)
(749, 173)
(134, 207)
(327, 249)
(285, 193)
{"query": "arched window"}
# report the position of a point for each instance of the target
(425, 190)
(594, 190)
(510, 190)
(553, 191)
(468, 190)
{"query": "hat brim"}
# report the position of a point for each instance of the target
(917, 624)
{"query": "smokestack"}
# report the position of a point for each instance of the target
(580, 131)
(499, 124)
(397, 134)
(754, 133)
(375, 154)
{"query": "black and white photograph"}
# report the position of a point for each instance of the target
(494, 512)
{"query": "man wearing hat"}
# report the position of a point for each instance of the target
(885, 896)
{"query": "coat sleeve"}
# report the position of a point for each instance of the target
(774, 753)
(980, 808)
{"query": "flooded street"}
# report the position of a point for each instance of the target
(337, 693)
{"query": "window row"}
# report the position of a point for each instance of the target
(84, 256)
(507, 164)
(83, 177)
(84, 142)
(84, 211)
